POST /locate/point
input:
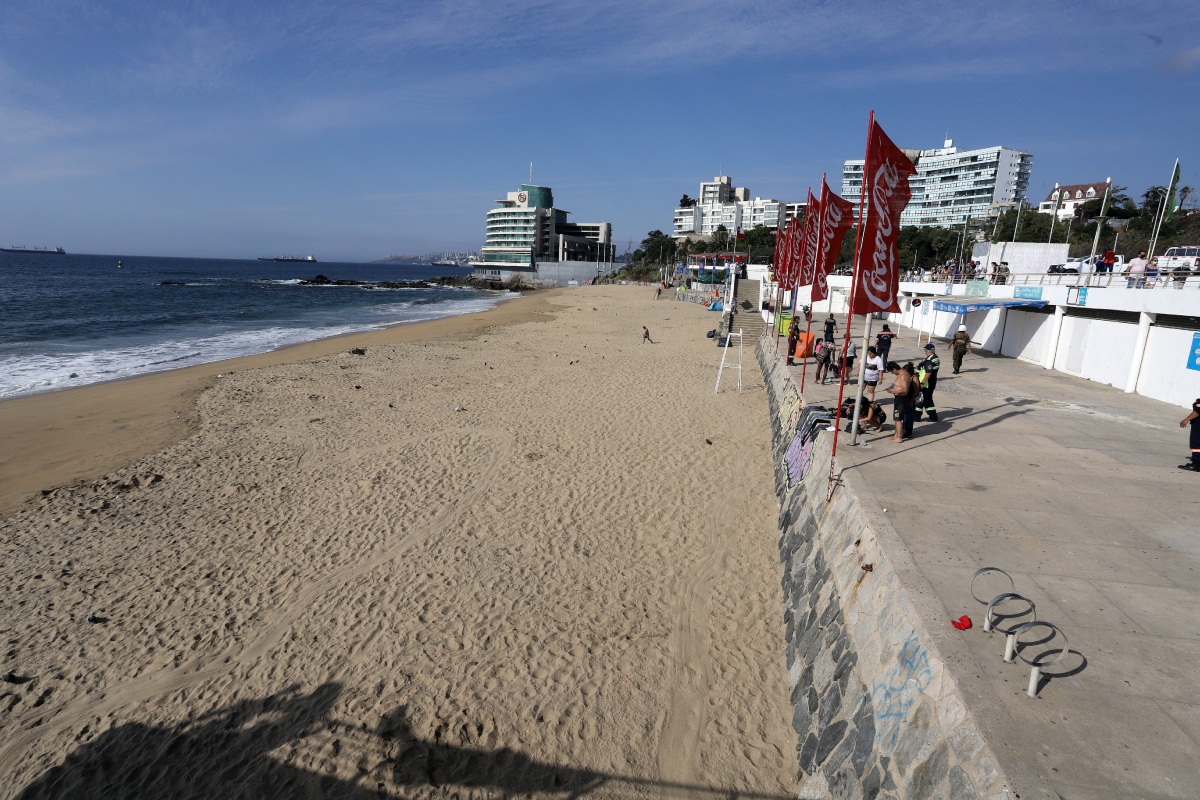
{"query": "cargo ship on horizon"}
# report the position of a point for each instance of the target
(57, 251)
(305, 259)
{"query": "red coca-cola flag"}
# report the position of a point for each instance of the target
(786, 251)
(808, 246)
(779, 261)
(795, 247)
(885, 194)
(837, 215)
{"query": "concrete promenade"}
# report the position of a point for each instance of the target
(1071, 487)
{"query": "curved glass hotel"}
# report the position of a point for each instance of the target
(528, 236)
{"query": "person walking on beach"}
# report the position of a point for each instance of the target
(646, 335)
(883, 342)
(961, 345)
(1193, 419)
(927, 372)
(848, 361)
(899, 390)
(872, 370)
(830, 327)
(793, 338)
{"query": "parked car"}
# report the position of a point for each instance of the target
(1178, 257)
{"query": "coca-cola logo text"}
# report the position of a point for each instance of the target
(877, 278)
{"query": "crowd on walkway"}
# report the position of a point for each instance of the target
(955, 271)
(912, 384)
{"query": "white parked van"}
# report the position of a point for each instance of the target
(1178, 258)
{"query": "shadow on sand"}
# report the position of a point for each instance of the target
(235, 752)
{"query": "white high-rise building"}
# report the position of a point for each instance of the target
(527, 234)
(952, 184)
(722, 203)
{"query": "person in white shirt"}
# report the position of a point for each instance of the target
(1136, 272)
(872, 368)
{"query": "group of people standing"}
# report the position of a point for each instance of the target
(913, 384)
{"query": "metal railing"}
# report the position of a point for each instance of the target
(1104, 280)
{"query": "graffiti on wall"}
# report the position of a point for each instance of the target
(896, 690)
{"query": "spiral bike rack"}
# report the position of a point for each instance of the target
(1035, 674)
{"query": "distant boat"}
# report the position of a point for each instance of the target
(308, 259)
(58, 251)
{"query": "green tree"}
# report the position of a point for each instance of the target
(760, 243)
(686, 202)
(720, 239)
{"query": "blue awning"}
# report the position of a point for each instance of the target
(965, 305)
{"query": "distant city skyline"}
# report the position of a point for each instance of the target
(352, 130)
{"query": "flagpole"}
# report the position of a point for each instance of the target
(1163, 214)
(858, 237)
(808, 326)
(1054, 213)
(862, 358)
(1099, 225)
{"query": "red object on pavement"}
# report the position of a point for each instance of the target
(962, 623)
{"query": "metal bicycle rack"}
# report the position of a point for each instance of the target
(1035, 674)
(1012, 635)
(989, 622)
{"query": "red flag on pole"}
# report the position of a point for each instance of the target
(786, 251)
(796, 243)
(837, 215)
(808, 249)
(777, 258)
(885, 194)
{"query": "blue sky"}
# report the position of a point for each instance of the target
(354, 130)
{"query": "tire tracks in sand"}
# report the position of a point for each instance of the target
(47, 722)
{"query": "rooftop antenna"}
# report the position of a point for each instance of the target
(531, 173)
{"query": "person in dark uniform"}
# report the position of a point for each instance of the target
(927, 372)
(830, 328)
(961, 345)
(793, 338)
(1193, 419)
(883, 342)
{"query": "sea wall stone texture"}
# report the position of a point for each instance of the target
(876, 711)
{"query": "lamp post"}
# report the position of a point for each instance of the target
(1099, 224)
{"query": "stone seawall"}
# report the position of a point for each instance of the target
(877, 713)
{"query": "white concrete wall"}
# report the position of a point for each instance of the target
(984, 328)
(1165, 375)
(1026, 257)
(1097, 349)
(1026, 335)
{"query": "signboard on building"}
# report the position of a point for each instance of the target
(1077, 296)
(1028, 292)
(1194, 353)
(977, 289)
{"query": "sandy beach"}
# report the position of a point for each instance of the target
(491, 555)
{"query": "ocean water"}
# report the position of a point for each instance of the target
(71, 320)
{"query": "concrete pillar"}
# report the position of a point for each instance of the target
(1139, 351)
(1055, 331)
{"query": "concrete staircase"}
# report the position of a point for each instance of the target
(749, 318)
